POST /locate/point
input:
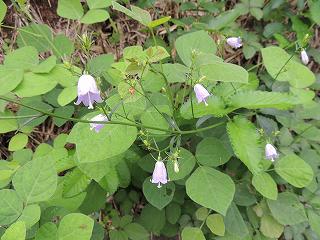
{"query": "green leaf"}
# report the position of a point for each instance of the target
(99, 65)
(30, 215)
(158, 197)
(46, 66)
(64, 76)
(95, 16)
(71, 9)
(175, 72)
(204, 184)
(34, 84)
(224, 72)
(136, 232)
(212, 152)
(157, 22)
(265, 185)
(314, 7)
(38, 36)
(112, 140)
(67, 95)
(118, 235)
(36, 180)
(9, 79)
(10, 206)
(152, 218)
(192, 233)
(47, 231)
(186, 163)
(276, 59)
(16, 231)
(235, 224)
(98, 3)
(63, 46)
(157, 53)
(245, 143)
(215, 224)
(23, 58)
(75, 226)
(270, 227)
(314, 221)
(224, 19)
(74, 183)
(197, 42)
(173, 212)
(18, 142)
(260, 99)
(7, 125)
(202, 213)
(294, 170)
(287, 209)
(3, 10)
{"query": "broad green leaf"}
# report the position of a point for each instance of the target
(186, 162)
(9, 79)
(75, 226)
(173, 212)
(234, 223)
(136, 232)
(23, 58)
(245, 143)
(67, 95)
(63, 46)
(204, 184)
(157, 53)
(314, 221)
(16, 231)
(18, 142)
(224, 72)
(34, 84)
(216, 107)
(152, 218)
(224, 19)
(194, 43)
(270, 227)
(216, 224)
(175, 72)
(260, 99)
(202, 213)
(287, 209)
(192, 233)
(71, 9)
(3, 10)
(158, 197)
(36, 180)
(157, 22)
(112, 140)
(212, 152)
(7, 125)
(95, 16)
(277, 60)
(98, 3)
(10, 206)
(314, 7)
(64, 76)
(99, 65)
(75, 182)
(294, 170)
(150, 116)
(115, 234)
(47, 231)
(65, 112)
(30, 215)
(35, 35)
(265, 185)
(46, 66)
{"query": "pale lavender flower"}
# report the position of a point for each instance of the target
(234, 42)
(304, 57)
(271, 152)
(88, 92)
(201, 93)
(97, 126)
(159, 174)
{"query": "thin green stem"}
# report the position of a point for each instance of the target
(284, 66)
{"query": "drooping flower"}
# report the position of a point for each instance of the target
(98, 126)
(201, 93)
(88, 92)
(234, 42)
(271, 152)
(304, 57)
(159, 174)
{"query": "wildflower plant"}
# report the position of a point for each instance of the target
(216, 176)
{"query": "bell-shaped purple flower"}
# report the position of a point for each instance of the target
(159, 174)
(88, 92)
(98, 126)
(271, 152)
(201, 93)
(234, 42)
(304, 57)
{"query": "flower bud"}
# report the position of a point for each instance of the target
(98, 126)
(176, 166)
(271, 152)
(234, 42)
(304, 57)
